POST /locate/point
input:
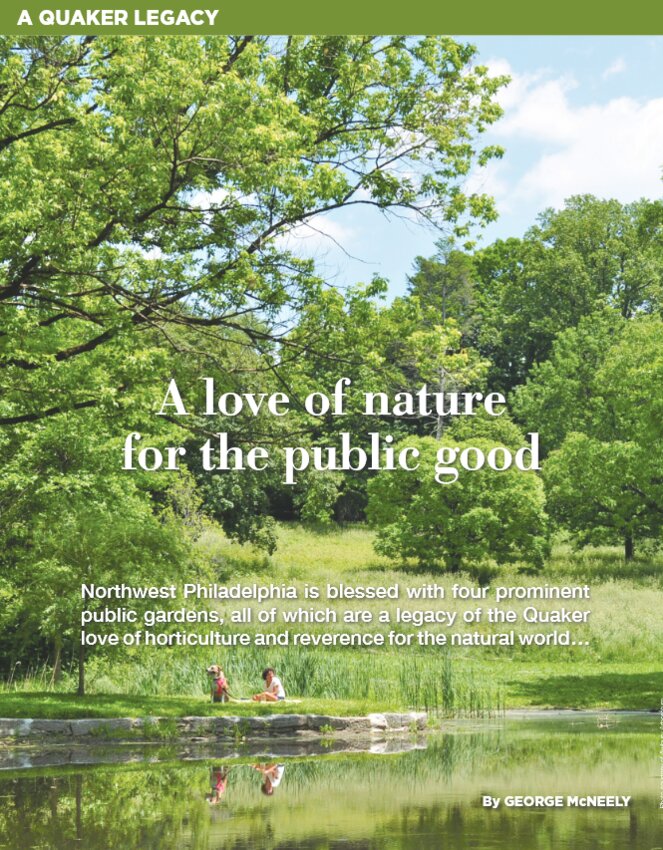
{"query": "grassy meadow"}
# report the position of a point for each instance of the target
(614, 665)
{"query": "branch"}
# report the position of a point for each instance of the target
(50, 125)
(67, 353)
(240, 47)
(44, 414)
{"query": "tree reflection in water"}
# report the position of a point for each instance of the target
(423, 799)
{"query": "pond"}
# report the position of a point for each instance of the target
(285, 797)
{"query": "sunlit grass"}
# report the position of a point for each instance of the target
(301, 553)
(616, 668)
(53, 705)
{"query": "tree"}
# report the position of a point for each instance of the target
(437, 357)
(444, 285)
(149, 183)
(590, 254)
(562, 393)
(71, 517)
(605, 492)
(483, 515)
(380, 349)
(596, 403)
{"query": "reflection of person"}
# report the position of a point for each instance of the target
(274, 689)
(219, 684)
(273, 774)
(218, 783)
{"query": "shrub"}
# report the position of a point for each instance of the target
(482, 515)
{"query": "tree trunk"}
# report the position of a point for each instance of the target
(81, 671)
(53, 798)
(79, 807)
(629, 547)
(439, 425)
(453, 563)
(56, 675)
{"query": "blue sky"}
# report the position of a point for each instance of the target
(582, 114)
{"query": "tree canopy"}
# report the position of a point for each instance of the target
(590, 254)
(482, 517)
(150, 182)
(598, 398)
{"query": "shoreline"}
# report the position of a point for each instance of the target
(28, 744)
(240, 728)
(220, 727)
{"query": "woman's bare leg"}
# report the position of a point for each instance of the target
(265, 696)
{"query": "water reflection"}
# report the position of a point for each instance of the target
(272, 775)
(417, 800)
(219, 783)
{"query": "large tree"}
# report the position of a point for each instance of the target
(151, 182)
(597, 404)
(590, 254)
(482, 516)
(444, 285)
(70, 517)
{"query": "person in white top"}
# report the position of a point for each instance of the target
(274, 690)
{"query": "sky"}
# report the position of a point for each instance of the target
(581, 115)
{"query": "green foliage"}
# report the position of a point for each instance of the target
(498, 429)
(563, 393)
(444, 285)
(437, 356)
(597, 399)
(483, 515)
(590, 254)
(318, 496)
(239, 500)
(148, 187)
(72, 517)
(595, 490)
(164, 174)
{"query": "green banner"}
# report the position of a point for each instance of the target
(345, 16)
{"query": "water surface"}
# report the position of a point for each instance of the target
(425, 798)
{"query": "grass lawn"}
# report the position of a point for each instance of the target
(46, 705)
(545, 684)
(615, 665)
(549, 684)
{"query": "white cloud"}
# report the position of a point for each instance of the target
(557, 148)
(617, 67)
(614, 152)
(491, 180)
(316, 237)
(541, 112)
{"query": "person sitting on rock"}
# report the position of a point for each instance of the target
(274, 690)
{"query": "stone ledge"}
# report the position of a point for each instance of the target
(149, 728)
